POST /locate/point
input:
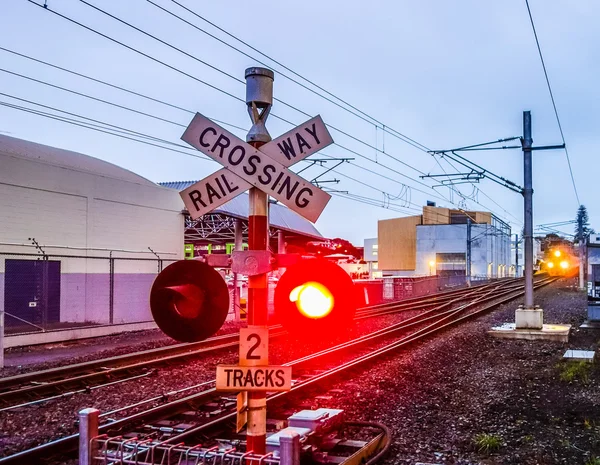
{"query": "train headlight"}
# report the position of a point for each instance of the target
(564, 265)
(557, 253)
(550, 265)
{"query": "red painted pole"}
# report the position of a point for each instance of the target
(259, 98)
(258, 223)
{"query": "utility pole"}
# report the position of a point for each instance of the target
(516, 255)
(468, 251)
(259, 98)
(528, 195)
(581, 250)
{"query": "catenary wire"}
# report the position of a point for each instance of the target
(367, 118)
(210, 85)
(345, 133)
(289, 122)
(562, 135)
(123, 107)
(120, 134)
(114, 86)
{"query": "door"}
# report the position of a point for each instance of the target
(31, 292)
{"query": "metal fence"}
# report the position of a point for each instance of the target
(375, 291)
(48, 292)
(44, 292)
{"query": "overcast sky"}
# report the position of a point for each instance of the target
(446, 74)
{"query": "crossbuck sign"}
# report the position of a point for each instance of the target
(264, 168)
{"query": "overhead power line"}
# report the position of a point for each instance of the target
(127, 108)
(174, 68)
(562, 135)
(124, 133)
(382, 126)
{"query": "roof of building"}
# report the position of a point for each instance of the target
(279, 215)
(40, 153)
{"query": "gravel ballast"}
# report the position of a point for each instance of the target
(436, 396)
(449, 397)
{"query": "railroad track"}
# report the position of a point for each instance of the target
(187, 420)
(41, 386)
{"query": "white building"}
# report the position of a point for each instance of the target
(370, 255)
(444, 242)
(94, 223)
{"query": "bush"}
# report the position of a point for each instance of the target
(571, 371)
(487, 443)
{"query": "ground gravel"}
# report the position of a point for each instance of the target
(27, 427)
(438, 396)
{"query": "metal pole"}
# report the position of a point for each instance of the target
(528, 196)
(516, 255)
(469, 251)
(237, 246)
(88, 429)
(2, 338)
(581, 238)
(259, 96)
(581, 264)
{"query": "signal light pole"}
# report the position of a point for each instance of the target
(259, 98)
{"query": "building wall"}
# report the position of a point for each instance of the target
(490, 250)
(397, 243)
(72, 207)
(436, 215)
(371, 250)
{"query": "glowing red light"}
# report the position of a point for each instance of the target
(312, 299)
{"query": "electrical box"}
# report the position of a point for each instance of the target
(314, 419)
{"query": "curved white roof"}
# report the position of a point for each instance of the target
(20, 148)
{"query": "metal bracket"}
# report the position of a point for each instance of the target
(218, 260)
(252, 262)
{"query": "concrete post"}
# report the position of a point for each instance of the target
(289, 448)
(88, 429)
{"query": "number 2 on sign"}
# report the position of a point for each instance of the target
(254, 346)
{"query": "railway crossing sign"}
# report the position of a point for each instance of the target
(264, 168)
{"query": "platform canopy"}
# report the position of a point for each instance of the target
(218, 226)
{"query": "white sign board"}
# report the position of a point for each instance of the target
(256, 168)
(254, 346)
(239, 378)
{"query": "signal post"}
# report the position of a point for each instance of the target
(189, 299)
(259, 98)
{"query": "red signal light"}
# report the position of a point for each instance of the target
(315, 293)
(189, 301)
(312, 299)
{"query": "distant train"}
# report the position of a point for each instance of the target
(560, 261)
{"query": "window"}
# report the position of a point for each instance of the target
(375, 265)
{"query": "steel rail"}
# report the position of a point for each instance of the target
(156, 413)
(53, 381)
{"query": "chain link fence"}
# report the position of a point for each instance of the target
(49, 292)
